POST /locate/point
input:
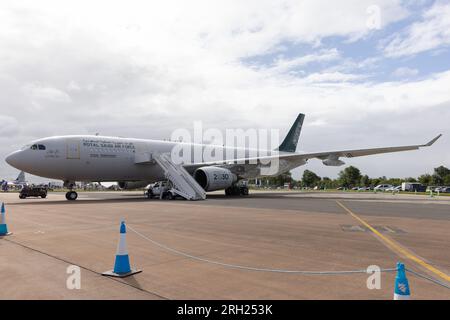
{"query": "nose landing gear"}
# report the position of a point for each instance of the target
(71, 195)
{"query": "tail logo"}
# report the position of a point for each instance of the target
(402, 287)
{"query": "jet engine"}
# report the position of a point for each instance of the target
(130, 185)
(214, 178)
(333, 161)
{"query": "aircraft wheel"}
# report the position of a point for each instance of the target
(71, 195)
(244, 191)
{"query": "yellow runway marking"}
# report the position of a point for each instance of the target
(395, 246)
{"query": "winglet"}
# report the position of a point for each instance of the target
(432, 141)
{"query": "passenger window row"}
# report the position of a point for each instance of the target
(109, 150)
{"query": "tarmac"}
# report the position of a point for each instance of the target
(225, 248)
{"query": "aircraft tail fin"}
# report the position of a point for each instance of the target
(289, 143)
(21, 177)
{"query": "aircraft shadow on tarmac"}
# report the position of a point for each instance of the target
(123, 198)
(137, 198)
(79, 201)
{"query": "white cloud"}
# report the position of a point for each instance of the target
(9, 127)
(405, 72)
(142, 70)
(41, 93)
(283, 65)
(332, 77)
(431, 33)
(230, 29)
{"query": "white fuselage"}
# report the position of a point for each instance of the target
(99, 158)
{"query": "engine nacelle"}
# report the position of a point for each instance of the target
(130, 185)
(214, 178)
(333, 161)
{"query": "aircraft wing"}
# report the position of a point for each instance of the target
(295, 159)
(367, 152)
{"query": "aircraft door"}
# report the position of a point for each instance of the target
(73, 149)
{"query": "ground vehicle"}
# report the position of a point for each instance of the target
(413, 186)
(33, 192)
(394, 188)
(382, 187)
(237, 190)
(442, 189)
(161, 189)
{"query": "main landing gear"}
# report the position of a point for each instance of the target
(236, 190)
(71, 195)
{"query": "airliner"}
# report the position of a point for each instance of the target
(129, 161)
(19, 183)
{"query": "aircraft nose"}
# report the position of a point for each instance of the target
(13, 159)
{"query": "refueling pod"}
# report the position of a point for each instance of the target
(333, 161)
(214, 178)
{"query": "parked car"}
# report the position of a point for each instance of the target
(394, 188)
(382, 187)
(162, 190)
(32, 192)
(158, 190)
(441, 189)
(445, 190)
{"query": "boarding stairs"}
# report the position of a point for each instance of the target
(183, 183)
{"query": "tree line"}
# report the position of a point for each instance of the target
(352, 177)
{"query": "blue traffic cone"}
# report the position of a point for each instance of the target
(122, 263)
(3, 225)
(401, 291)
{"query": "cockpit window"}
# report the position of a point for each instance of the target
(37, 147)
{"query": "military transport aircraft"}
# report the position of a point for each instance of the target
(135, 163)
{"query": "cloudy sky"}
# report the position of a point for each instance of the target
(366, 73)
